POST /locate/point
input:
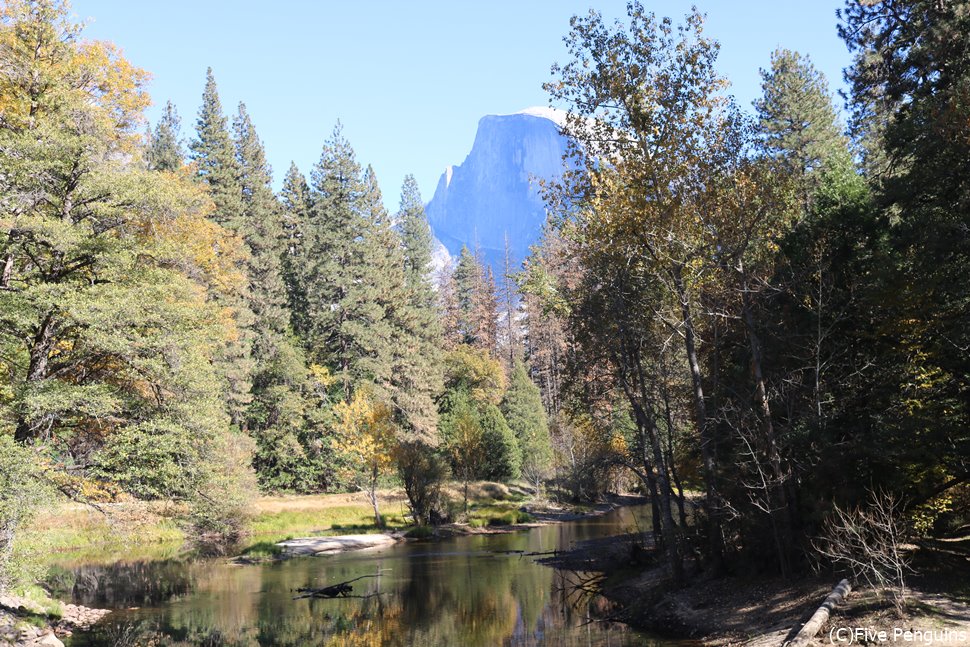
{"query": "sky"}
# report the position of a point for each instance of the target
(407, 79)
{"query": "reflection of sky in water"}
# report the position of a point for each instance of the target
(454, 592)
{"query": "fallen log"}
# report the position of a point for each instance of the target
(339, 590)
(810, 628)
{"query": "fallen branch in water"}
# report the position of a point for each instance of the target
(522, 553)
(339, 590)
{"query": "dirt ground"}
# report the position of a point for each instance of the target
(759, 611)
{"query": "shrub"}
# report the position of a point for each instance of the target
(867, 541)
(422, 473)
(23, 490)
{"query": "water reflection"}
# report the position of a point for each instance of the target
(462, 591)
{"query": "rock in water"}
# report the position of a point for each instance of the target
(494, 193)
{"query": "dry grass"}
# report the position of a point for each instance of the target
(72, 530)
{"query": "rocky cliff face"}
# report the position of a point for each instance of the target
(494, 193)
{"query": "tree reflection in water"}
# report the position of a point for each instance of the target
(455, 592)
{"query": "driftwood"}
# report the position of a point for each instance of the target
(523, 553)
(339, 590)
(810, 628)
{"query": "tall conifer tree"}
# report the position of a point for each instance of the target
(295, 198)
(218, 168)
(165, 145)
(420, 375)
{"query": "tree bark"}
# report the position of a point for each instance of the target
(708, 455)
(40, 349)
(778, 500)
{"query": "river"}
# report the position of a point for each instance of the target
(462, 591)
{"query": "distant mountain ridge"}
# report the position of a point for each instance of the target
(494, 193)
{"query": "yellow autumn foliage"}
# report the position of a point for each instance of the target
(365, 435)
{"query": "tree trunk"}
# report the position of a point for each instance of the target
(777, 498)
(667, 528)
(40, 349)
(378, 520)
(708, 455)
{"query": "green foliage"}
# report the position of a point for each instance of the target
(522, 408)
(479, 441)
(503, 462)
(474, 371)
(112, 276)
(219, 511)
(217, 166)
(165, 145)
(796, 115)
(215, 157)
(422, 471)
(23, 490)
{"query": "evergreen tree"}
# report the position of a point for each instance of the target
(295, 198)
(276, 416)
(260, 226)
(447, 306)
(466, 278)
(419, 373)
(417, 239)
(217, 165)
(475, 302)
(511, 333)
(165, 144)
(501, 449)
(358, 303)
(484, 311)
(215, 157)
(797, 119)
(909, 79)
(331, 255)
(524, 413)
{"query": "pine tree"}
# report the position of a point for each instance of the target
(165, 145)
(523, 411)
(447, 306)
(511, 333)
(420, 374)
(501, 448)
(797, 119)
(466, 278)
(476, 301)
(218, 168)
(484, 311)
(276, 416)
(215, 156)
(355, 281)
(331, 256)
(417, 239)
(295, 198)
(260, 226)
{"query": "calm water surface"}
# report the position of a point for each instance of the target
(457, 592)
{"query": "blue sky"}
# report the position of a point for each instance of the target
(409, 80)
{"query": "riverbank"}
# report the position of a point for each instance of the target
(758, 611)
(26, 622)
(73, 535)
(481, 520)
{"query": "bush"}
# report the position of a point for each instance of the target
(219, 505)
(23, 490)
(422, 473)
(867, 542)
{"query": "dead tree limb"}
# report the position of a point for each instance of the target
(821, 615)
(339, 590)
